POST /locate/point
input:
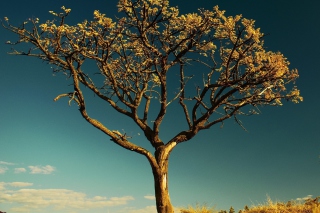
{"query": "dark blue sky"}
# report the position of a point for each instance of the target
(46, 147)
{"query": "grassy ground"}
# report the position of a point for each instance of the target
(311, 205)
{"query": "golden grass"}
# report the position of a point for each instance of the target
(308, 206)
(199, 209)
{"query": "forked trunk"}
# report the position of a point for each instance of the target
(161, 190)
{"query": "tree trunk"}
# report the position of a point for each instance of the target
(161, 190)
(160, 175)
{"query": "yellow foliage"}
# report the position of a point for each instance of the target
(152, 37)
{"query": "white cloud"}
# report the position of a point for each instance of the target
(41, 169)
(14, 184)
(19, 170)
(304, 198)
(150, 197)
(6, 163)
(2, 186)
(19, 184)
(3, 169)
(30, 200)
(99, 198)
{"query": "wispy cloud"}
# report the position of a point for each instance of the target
(30, 200)
(304, 198)
(150, 197)
(33, 169)
(41, 169)
(19, 184)
(14, 184)
(3, 169)
(6, 163)
(2, 184)
(19, 170)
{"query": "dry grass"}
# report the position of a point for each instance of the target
(308, 206)
(199, 209)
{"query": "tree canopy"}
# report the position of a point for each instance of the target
(135, 54)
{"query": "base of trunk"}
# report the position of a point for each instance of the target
(162, 193)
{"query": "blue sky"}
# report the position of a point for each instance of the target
(51, 160)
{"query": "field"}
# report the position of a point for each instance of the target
(310, 205)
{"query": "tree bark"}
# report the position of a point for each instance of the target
(160, 175)
(162, 191)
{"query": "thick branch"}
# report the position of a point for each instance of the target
(119, 139)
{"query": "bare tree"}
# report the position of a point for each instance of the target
(136, 55)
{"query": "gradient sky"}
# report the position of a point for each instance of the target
(51, 160)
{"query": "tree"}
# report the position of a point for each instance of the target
(231, 210)
(147, 47)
